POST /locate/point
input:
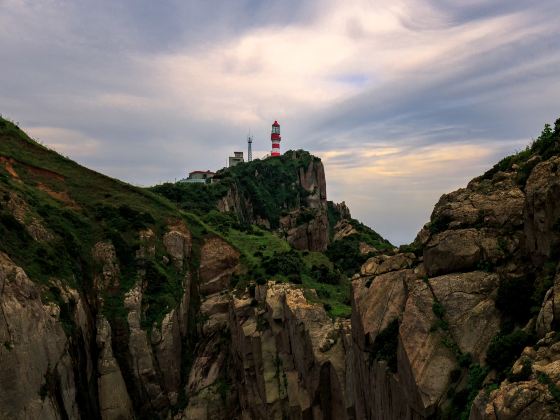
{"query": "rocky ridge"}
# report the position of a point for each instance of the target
(460, 324)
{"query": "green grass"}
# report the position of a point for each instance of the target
(258, 240)
(545, 146)
(81, 207)
(335, 298)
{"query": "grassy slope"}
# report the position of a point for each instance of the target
(80, 207)
(91, 207)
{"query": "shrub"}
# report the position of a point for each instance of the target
(345, 254)
(283, 263)
(295, 279)
(525, 372)
(325, 275)
(439, 224)
(438, 309)
(554, 390)
(504, 349)
(385, 345)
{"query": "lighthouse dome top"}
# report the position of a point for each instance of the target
(276, 124)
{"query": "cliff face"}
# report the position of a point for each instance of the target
(114, 304)
(465, 306)
(298, 187)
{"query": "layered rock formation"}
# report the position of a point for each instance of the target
(304, 221)
(139, 316)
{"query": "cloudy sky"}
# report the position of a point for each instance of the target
(404, 100)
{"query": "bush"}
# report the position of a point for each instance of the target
(295, 279)
(283, 263)
(525, 372)
(325, 275)
(439, 224)
(345, 254)
(438, 309)
(385, 345)
(554, 390)
(504, 349)
(222, 222)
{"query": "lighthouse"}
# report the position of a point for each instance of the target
(275, 139)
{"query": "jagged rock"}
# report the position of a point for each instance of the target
(147, 248)
(531, 397)
(366, 249)
(468, 300)
(312, 235)
(342, 229)
(549, 315)
(114, 402)
(385, 263)
(312, 180)
(105, 256)
(31, 222)
(343, 210)
(424, 362)
(178, 243)
(492, 203)
(143, 368)
(218, 262)
(542, 210)
(36, 372)
(292, 357)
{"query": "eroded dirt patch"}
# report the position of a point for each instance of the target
(61, 196)
(9, 166)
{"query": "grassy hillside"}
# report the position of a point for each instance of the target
(76, 208)
(272, 185)
(543, 147)
(79, 207)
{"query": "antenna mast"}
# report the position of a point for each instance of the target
(249, 148)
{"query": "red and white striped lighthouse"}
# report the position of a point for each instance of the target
(275, 139)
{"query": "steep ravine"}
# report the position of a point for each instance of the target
(115, 305)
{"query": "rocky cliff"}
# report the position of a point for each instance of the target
(116, 304)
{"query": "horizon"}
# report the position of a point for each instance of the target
(403, 101)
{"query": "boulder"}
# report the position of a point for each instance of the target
(452, 250)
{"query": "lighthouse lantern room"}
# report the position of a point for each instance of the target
(275, 139)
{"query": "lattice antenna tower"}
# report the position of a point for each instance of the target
(249, 148)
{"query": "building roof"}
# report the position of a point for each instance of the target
(276, 124)
(201, 172)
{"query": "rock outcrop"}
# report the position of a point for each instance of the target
(533, 391)
(304, 221)
(289, 357)
(109, 312)
(36, 371)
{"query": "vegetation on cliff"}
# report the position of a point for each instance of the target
(271, 186)
(542, 148)
(270, 189)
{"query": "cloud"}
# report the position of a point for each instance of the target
(404, 100)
